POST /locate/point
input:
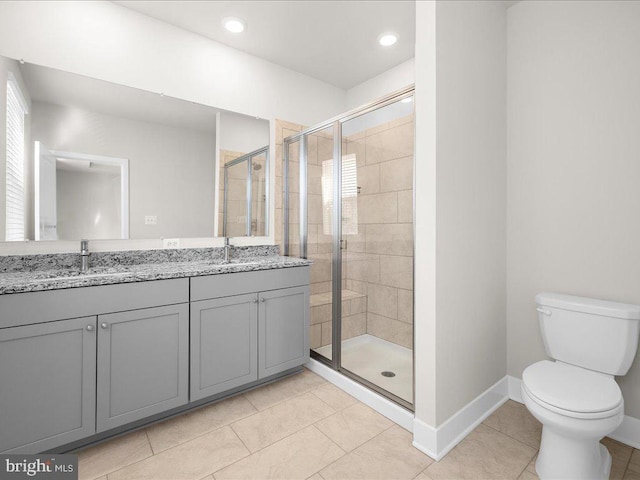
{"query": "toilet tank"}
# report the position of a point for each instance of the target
(589, 333)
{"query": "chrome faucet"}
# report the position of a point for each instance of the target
(227, 249)
(84, 255)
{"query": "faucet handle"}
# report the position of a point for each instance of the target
(226, 242)
(84, 245)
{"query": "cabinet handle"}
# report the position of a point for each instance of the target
(89, 328)
(262, 300)
(104, 325)
(254, 300)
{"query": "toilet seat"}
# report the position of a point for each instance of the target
(572, 391)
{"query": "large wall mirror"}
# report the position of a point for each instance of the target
(85, 158)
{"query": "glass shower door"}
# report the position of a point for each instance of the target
(319, 172)
(350, 210)
(235, 199)
(377, 248)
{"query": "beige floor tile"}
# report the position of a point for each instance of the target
(532, 465)
(514, 419)
(353, 426)
(208, 477)
(192, 460)
(620, 455)
(484, 454)
(281, 420)
(422, 476)
(631, 475)
(94, 462)
(390, 455)
(527, 475)
(269, 395)
(297, 456)
(634, 463)
(193, 424)
(334, 397)
(315, 476)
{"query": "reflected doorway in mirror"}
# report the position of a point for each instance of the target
(78, 195)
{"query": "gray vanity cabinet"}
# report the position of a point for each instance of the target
(224, 345)
(247, 326)
(283, 318)
(47, 384)
(143, 358)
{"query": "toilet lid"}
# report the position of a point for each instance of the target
(572, 388)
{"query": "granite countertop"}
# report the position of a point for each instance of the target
(123, 268)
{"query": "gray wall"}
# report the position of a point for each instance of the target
(239, 133)
(88, 205)
(171, 170)
(470, 201)
(573, 164)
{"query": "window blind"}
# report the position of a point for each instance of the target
(15, 191)
(349, 196)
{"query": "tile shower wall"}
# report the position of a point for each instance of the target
(378, 260)
(284, 130)
(354, 304)
(377, 271)
(237, 200)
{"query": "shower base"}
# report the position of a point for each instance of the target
(368, 357)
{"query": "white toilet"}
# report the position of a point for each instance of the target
(576, 397)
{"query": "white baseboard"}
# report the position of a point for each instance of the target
(437, 442)
(515, 393)
(627, 433)
(392, 411)
(425, 439)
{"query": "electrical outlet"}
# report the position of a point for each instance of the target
(151, 220)
(170, 243)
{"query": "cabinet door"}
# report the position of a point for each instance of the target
(224, 342)
(47, 384)
(283, 320)
(143, 363)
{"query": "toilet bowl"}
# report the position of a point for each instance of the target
(570, 446)
(575, 397)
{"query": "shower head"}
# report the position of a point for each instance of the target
(257, 167)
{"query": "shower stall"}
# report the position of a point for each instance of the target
(244, 193)
(348, 206)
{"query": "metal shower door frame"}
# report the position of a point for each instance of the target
(247, 157)
(335, 362)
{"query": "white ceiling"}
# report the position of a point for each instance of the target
(333, 40)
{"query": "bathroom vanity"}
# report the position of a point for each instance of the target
(85, 356)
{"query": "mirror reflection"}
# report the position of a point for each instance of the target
(244, 194)
(90, 159)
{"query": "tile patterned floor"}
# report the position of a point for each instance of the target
(303, 427)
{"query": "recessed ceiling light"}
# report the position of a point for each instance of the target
(234, 24)
(387, 39)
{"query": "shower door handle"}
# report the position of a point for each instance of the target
(343, 244)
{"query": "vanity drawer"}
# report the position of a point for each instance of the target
(37, 307)
(225, 285)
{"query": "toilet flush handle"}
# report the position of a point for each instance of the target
(544, 311)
